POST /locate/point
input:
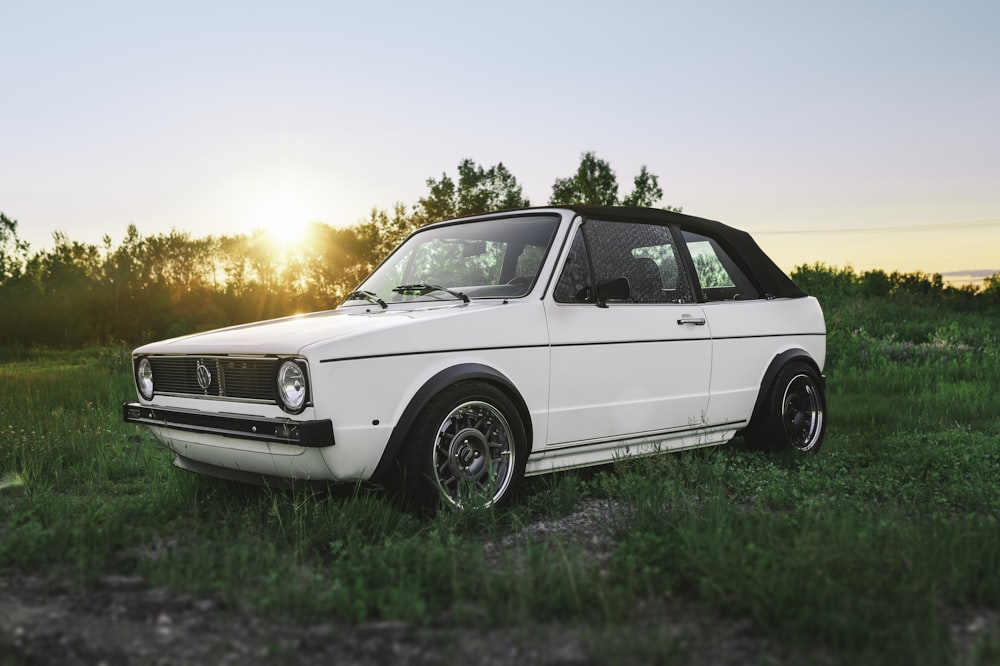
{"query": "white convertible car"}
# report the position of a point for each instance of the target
(500, 346)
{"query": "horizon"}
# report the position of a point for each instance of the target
(845, 134)
(958, 276)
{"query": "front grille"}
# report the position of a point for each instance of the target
(223, 376)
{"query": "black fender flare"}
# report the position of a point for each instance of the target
(777, 363)
(433, 386)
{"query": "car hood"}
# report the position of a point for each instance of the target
(294, 335)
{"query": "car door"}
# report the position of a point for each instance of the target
(629, 362)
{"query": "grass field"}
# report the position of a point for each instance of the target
(867, 552)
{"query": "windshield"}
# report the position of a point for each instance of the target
(497, 258)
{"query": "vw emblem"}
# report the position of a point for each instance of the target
(204, 376)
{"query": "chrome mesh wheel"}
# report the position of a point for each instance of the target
(474, 455)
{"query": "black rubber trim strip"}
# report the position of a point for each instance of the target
(769, 335)
(467, 350)
(432, 351)
(312, 434)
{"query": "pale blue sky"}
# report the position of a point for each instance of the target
(828, 122)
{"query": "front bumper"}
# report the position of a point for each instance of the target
(312, 434)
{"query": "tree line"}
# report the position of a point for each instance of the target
(148, 287)
(837, 285)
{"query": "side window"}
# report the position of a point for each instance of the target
(720, 278)
(644, 254)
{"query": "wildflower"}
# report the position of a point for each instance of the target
(11, 480)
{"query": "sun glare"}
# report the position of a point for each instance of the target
(284, 218)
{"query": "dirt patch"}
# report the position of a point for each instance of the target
(123, 621)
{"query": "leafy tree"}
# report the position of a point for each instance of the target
(179, 260)
(441, 202)
(342, 257)
(828, 283)
(13, 251)
(646, 190)
(124, 275)
(711, 272)
(991, 288)
(486, 190)
(478, 191)
(917, 282)
(68, 282)
(595, 184)
(876, 283)
(382, 231)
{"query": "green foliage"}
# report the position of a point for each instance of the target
(13, 251)
(827, 283)
(859, 549)
(646, 190)
(478, 191)
(595, 184)
(991, 288)
(834, 286)
(711, 272)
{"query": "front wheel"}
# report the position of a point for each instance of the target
(792, 416)
(467, 449)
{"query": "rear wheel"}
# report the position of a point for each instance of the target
(793, 414)
(467, 449)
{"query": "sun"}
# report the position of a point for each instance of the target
(284, 217)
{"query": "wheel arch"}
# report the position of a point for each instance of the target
(433, 386)
(777, 363)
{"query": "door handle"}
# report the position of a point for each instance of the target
(697, 321)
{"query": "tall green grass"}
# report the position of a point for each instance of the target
(863, 553)
(862, 550)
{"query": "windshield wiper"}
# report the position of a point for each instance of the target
(423, 288)
(369, 296)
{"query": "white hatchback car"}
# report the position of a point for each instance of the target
(494, 347)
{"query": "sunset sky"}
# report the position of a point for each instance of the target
(849, 132)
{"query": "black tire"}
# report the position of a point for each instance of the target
(468, 448)
(792, 416)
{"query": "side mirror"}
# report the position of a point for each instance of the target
(614, 289)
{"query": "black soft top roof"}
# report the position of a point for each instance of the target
(739, 243)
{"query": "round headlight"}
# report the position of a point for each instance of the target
(144, 378)
(292, 386)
